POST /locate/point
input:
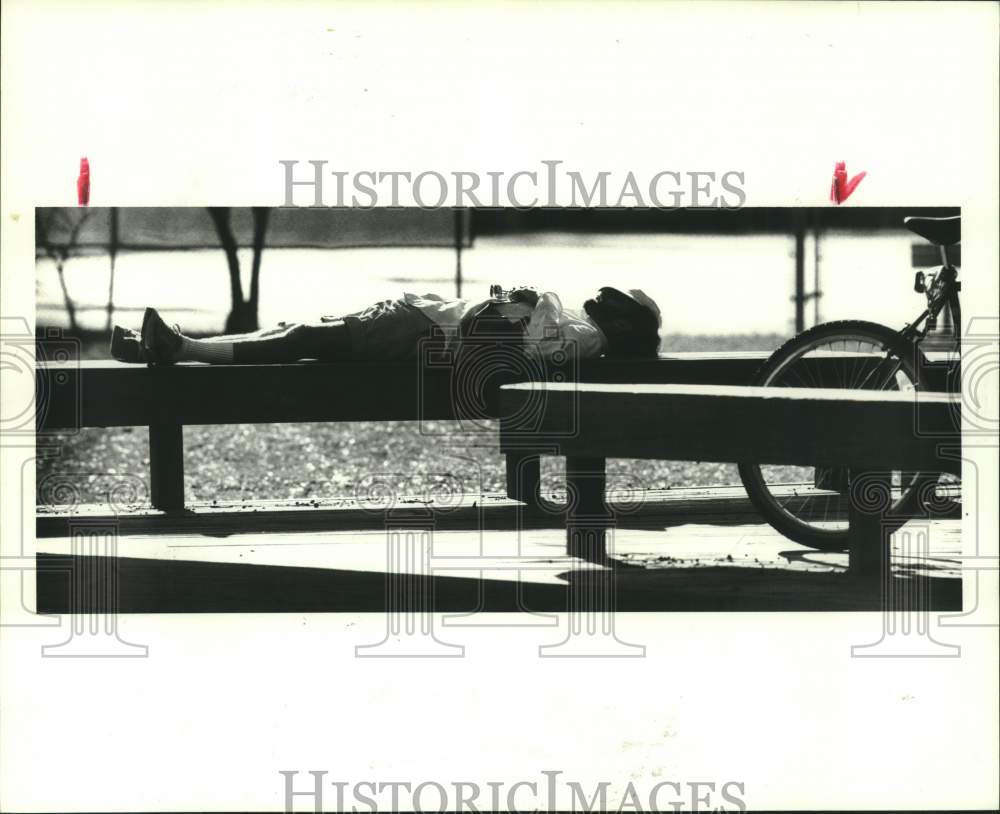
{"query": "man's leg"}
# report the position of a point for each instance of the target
(280, 328)
(329, 341)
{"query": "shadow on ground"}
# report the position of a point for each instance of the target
(160, 586)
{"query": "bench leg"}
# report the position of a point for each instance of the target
(524, 478)
(870, 497)
(166, 466)
(588, 515)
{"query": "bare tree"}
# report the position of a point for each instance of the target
(45, 219)
(243, 312)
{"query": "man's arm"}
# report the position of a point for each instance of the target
(551, 331)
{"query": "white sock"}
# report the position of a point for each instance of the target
(195, 350)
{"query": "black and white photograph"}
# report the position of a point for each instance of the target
(504, 410)
(425, 406)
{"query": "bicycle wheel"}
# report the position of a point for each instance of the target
(809, 504)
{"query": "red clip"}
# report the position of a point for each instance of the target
(83, 183)
(841, 188)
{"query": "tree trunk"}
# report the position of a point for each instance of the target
(260, 217)
(242, 319)
(70, 307)
(58, 255)
(243, 314)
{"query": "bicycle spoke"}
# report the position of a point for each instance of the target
(863, 361)
(798, 376)
(849, 380)
(845, 362)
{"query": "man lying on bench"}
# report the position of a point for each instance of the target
(613, 324)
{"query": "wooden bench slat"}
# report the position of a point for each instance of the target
(738, 391)
(727, 424)
(114, 394)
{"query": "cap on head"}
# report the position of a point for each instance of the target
(631, 326)
(644, 299)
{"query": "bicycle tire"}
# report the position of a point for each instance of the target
(795, 528)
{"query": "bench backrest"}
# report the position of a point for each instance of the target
(113, 394)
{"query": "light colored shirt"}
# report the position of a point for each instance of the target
(551, 328)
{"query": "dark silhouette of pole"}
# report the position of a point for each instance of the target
(800, 275)
(459, 238)
(816, 293)
(112, 256)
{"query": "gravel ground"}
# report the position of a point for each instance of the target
(277, 461)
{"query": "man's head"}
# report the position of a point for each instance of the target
(631, 322)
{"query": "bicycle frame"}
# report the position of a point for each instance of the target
(942, 292)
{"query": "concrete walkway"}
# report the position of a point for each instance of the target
(698, 565)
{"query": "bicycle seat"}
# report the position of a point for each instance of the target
(939, 231)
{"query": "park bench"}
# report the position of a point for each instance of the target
(871, 433)
(689, 406)
(73, 394)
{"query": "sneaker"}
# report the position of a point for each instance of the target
(160, 342)
(126, 346)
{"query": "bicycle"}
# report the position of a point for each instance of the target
(855, 354)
